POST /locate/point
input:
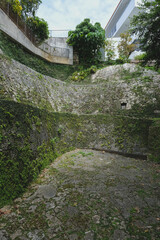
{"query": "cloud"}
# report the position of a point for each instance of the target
(66, 14)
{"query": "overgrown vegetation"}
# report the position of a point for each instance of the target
(109, 49)
(141, 56)
(147, 26)
(154, 138)
(29, 7)
(16, 6)
(39, 27)
(26, 10)
(19, 53)
(31, 138)
(58, 71)
(82, 74)
(125, 47)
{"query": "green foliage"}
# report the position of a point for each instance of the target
(147, 26)
(140, 57)
(55, 70)
(109, 49)
(93, 69)
(16, 6)
(26, 9)
(153, 68)
(154, 140)
(39, 27)
(20, 54)
(29, 7)
(125, 48)
(84, 154)
(87, 40)
(81, 75)
(21, 159)
(31, 139)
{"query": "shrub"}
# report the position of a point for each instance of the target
(125, 48)
(147, 26)
(39, 27)
(16, 6)
(81, 75)
(140, 57)
(110, 50)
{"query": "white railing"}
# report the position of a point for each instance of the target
(58, 33)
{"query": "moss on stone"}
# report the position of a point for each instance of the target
(154, 141)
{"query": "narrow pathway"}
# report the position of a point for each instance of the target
(88, 195)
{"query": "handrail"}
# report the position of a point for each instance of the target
(18, 21)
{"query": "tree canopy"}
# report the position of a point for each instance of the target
(87, 39)
(125, 47)
(147, 26)
(29, 7)
(39, 27)
(26, 9)
(16, 6)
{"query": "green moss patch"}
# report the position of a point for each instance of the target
(31, 138)
(154, 141)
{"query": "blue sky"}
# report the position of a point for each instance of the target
(66, 14)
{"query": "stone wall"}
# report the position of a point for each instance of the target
(7, 26)
(41, 117)
(31, 138)
(109, 89)
(154, 141)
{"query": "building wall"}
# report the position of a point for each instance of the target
(120, 20)
(125, 15)
(59, 55)
(111, 27)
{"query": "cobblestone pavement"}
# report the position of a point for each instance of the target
(88, 195)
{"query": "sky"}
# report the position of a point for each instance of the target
(66, 14)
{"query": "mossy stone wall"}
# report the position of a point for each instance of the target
(154, 141)
(31, 138)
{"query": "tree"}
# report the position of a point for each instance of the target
(29, 7)
(147, 26)
(87, 39)
(109, 49)
(39, 27)
(125, 48)
(16, 6)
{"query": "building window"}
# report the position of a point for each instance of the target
(113, 30)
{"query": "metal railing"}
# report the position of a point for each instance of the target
(20, 23)
(58, 33)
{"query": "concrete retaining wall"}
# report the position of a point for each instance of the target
(59, 55)
(57, 46)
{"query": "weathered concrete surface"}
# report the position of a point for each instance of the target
(8, 26)
(57, 46)
(88, 195)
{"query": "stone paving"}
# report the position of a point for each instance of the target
(88, 195)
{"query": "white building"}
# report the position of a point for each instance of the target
(120, 22)
(120, 19)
